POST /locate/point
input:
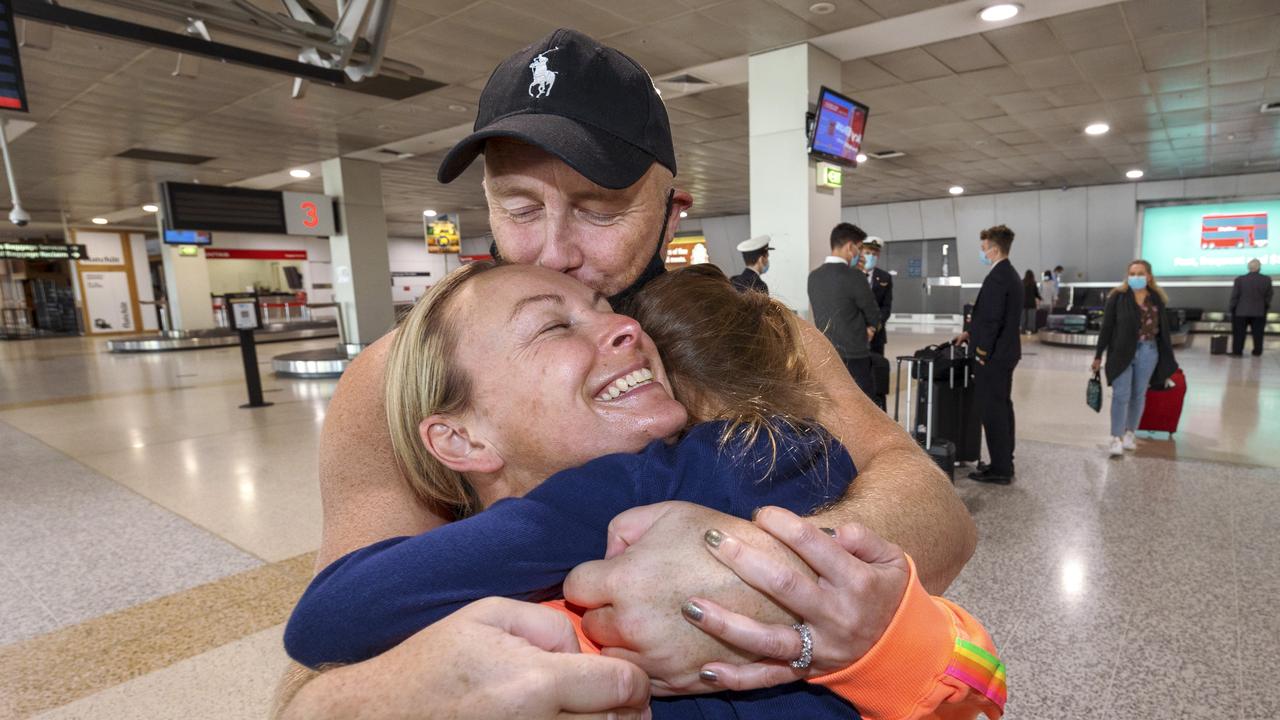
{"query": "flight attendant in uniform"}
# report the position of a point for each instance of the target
(997, 343)
(755, 253)
(881, 288)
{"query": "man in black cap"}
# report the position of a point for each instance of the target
(755, 253)
(579, 176)
(881, 289)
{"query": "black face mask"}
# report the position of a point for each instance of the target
(656, 267)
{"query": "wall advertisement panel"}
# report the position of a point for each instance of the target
(1210, 239)
(109, 302)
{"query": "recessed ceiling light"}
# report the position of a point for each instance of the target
(1000, 12)
(100, 221)
(822, 8)
(956, 190)
(428, 213)
(1134, 174)
(684, 214)
(1099, 128)
(300, 173)
(862, 157)
(151, 208)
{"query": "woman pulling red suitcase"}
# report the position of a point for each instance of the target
(1136, 339)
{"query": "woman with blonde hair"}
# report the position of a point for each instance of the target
(1135, 337)
(522, 402)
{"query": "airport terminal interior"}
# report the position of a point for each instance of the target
(190, 179)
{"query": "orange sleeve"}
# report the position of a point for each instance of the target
(933, 661)
(584, 642)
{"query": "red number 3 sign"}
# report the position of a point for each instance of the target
(313, 217)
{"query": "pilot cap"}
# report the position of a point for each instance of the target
(759, 242)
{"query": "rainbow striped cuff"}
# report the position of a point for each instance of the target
(980, 670)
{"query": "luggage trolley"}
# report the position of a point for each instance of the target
(943, 451)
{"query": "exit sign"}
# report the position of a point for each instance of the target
(829, 176)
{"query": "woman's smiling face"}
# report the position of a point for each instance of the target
(557, 378)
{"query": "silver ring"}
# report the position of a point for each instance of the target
(806, 647)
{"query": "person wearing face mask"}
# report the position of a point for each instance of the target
(755, 253)
(1135, 338)
(881, 289)
(997, 347)
(843, 307)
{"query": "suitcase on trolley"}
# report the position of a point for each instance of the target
(942, 451)
(955, 406)
(1163, 409)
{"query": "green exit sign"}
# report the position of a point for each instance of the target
(829, 176)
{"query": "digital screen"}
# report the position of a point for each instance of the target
(187, 237)
(1215, 239)
(838, 126)
(13, 94)
(189, 206)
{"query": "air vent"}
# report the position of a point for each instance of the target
(1271, 107)
(397, 154)
(886, 154)
(392, 88)
(162, 156)
(685, 79)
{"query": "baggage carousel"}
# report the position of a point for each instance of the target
(1090, 338)
(202, 339)
(324, 363)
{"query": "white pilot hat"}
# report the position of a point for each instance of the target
(873, 242)
(759, 242)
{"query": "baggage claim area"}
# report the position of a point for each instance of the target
(216, 207)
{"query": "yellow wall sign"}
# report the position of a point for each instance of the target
(687, 250)
(443, 233)
(829, 176)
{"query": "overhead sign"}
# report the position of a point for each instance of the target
(308, 214)
(687, 250)
(233, 254)
(13, 93)
(443, 233)
(37, 251)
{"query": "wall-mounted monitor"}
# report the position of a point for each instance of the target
(188, 237)
(838, 125)
(1210, 239)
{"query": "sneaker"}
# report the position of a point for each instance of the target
(1117, 447)
(1129, 442)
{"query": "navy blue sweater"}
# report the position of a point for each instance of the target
(374, 598)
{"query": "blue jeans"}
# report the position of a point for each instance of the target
(1129, 391)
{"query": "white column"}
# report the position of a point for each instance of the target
(786, 203)
(186, 285)
(361, 268)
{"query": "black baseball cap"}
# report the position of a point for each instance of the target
(587, 104)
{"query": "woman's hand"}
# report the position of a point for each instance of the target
(1097, 364)
(860, 582)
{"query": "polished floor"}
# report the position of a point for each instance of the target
(153, 537)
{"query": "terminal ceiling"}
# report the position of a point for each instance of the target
(1180, 82)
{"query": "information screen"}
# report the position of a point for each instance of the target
(1210, 240)
(13, 93)
(838, 127)
(187, 237)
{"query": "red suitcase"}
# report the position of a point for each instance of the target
(1164, 407)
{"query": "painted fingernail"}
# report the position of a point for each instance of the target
(829, 531)
(692, 611)
(709, 676)
(755, 512)
(714, 538)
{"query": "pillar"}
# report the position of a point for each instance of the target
(186, 285)
(361, 266)
(786, 203)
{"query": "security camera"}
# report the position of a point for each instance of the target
(19, 217)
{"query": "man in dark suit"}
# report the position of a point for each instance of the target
(843, 307)
(755, 253)
(993, 332)
(1250, 300)
(881, 289)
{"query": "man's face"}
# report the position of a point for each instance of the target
(542, 212)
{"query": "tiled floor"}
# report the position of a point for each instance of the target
(153, 537)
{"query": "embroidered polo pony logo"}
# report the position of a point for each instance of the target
(543, 77)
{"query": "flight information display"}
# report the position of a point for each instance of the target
(838, 126)
(1212, 239)
(13, 94)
